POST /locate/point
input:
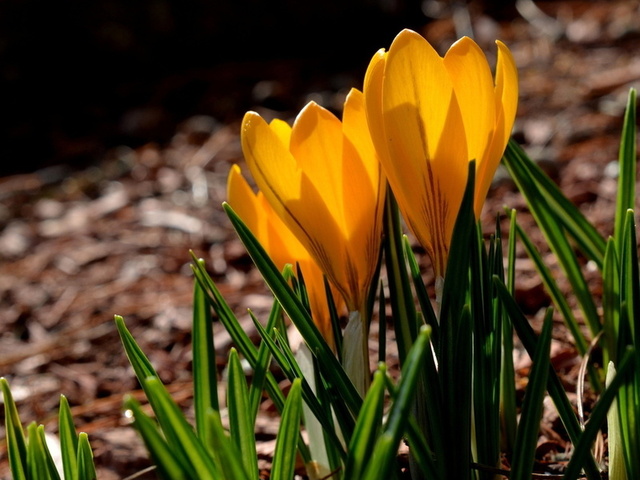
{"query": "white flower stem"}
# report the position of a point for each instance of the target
(355, 352)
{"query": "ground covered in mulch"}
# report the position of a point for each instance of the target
(80, 245)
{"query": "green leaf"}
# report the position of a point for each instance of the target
(617, 468)
(139, 361)
(527, 434)
(582, 448)
(261, 368)
(284, 457)
(16, 443)
(400, 294)
(68, 439)
(385, 450)
(626, 196)
(610, 302)
(507, 383)
(455, 345)
(552, 287)
(322, 411)
(554, 386)
(179, 433)
(205, 387)
(241, 340)
(241, 424)
(86, 468)
(553, 214)
(229, 458)
(368, 427)
(168, 464)
(544, 197)
(40, 462)
(421, 292)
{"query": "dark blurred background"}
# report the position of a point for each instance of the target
(78, 77)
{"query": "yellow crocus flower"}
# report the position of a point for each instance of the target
(281, 245)
(323, 178)
(429, 116)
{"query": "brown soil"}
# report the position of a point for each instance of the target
(78, 246)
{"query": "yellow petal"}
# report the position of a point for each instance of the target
(316, 144)
(292, 192)
(474, 89)
(373, 81)
(426, 141)
(506, 99)
(507, 85)
(282, 129)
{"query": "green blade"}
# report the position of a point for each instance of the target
(626, 196)
(16, 443)
(284, 457)
(68, 439)
(86, 468)
(241, 424)
(168, 464)
(205, 386)
(386, 448)
(527, 434)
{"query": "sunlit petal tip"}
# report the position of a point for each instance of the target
(463, 47)
(407, 37)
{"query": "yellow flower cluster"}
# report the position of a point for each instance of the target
(419, 122)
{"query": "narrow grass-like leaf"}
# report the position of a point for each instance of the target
(554, 386)
(336, 328)
(261, 368)
(332, 370)
(243, 342)
(628, 335)
(527, 434)
(241, 424)
(68, 439)
(626, 196)
(455, 345)
(205, 388)
(400, 294)
(48, 457)
(284, 456)
(610, 302)
(598, 417)
(16, 443)
(169, 465)
(553, 289)
(138, 360)
(507, 373)
(553, 216)
(240, 339)
(382, 325)
(178, 432)
(284, 357)
(86, 468)
(617, 469)
(385, 450)
(543, 197)
(487, 349)
(230, 461)
(421, 292)
(39, 462)
(368, 427)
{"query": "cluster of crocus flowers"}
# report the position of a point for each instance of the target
(429, 117)
(323, 179)
(419, 123)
